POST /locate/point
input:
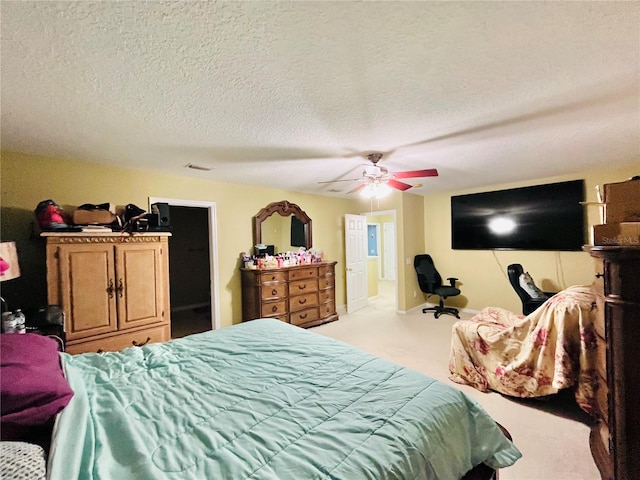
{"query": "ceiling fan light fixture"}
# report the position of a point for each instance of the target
(376, 190)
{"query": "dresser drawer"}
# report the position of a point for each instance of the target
(621, 279)
(325, 270)
(300, 302)
(326, 295)
(304, 316)
(303, 273)
(270, 292)
(271, 309)
(118, 342)
(326, 282)
(328, 308)
(303, 286)
(272, 277)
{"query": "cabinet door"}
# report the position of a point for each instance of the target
(87, 290)
(139, 284)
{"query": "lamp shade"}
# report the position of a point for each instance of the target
(9, 267)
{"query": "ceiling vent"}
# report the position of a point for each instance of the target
(198, 167)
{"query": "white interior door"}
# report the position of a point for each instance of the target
(355, 237)
(389, 250)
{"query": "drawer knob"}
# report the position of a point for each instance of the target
(136, 344)
(303, 316)
(274, 308)
(302, 301)
(599, 275)
(302, 287)
(274, 291)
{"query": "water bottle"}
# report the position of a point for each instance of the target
(8, 322)
(21, 321)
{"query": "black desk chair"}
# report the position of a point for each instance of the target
(430, 283)
(529, 302)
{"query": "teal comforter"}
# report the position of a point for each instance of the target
(265, 400)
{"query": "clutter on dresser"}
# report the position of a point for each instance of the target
(280, 260)
(103, 214)
(621, 214)
(139, 220)
(51, 217)
(102, 218)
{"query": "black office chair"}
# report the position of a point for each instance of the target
(431, 283)
(529, 303)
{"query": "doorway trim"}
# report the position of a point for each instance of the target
(213, 248)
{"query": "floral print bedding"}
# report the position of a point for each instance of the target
(550, 349)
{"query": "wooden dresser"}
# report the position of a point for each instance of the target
(113, 288)
(615, 436)
(303, 295)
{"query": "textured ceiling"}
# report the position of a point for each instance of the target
(287, 94)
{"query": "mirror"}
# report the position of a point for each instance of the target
(287, 231)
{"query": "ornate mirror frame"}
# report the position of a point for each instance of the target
(284, 209)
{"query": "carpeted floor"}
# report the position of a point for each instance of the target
(553, 435)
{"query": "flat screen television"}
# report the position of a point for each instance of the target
(540, 217)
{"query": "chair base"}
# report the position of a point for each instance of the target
(441, 310)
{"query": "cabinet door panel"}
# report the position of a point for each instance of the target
(88, 289)
(139, 285)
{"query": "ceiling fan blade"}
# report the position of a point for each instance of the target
(429, 172)
(399, 185)
(357, 188)
(345, 180)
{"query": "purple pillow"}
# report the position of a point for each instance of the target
(34, 388)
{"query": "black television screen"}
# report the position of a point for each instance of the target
(541, 217)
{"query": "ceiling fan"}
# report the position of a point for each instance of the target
(375, 176)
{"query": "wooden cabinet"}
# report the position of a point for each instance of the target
(303, 295)
(615, 436)
(113, 288)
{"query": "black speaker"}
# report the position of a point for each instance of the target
(162, 211)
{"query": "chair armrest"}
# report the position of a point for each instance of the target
(452, 281)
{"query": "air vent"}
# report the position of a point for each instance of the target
(198, 167)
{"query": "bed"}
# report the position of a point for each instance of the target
(265, 400)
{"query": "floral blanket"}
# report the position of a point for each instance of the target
(550, 349)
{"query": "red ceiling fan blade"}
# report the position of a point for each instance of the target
(357, 188)
(429, 172)
(399, 185)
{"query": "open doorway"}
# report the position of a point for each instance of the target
(193, 284)
(382, 267)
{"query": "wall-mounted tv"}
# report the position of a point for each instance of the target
(540, 217)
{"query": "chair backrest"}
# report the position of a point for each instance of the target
(428, 277)
(514, 271)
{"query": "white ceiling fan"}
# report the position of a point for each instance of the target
(377, 179)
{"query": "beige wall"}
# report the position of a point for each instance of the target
(26, 180)
(372, 276)
(482, 273)
(422, 226)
